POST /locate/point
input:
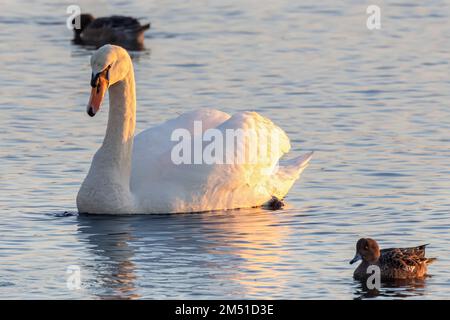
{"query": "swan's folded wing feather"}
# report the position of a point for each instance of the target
(288, 172)
(254, 181)
(239, 183)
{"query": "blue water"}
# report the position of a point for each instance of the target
(373, 105)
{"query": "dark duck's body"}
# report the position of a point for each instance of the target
(394, 263)
(126, 32)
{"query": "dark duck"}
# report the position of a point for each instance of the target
(126, 32)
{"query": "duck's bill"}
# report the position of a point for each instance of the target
(356, 258)
(99, 87)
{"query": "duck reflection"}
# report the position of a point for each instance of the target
(398, 288)
(230, 254)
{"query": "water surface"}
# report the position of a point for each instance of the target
(373, 105)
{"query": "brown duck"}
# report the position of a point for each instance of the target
(126, 32)
(394, 263)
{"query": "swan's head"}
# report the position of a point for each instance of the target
(110, 64)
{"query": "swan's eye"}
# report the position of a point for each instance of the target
(107, 72)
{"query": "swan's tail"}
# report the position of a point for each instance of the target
(298, 163)
(288, 172)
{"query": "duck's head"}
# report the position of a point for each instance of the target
(110, 64)
(366, 249)
(79, 23)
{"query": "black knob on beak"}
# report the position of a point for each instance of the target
(91, 112)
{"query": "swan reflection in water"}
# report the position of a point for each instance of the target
(225, 254)
(108, 239)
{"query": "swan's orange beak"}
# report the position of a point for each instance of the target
(99, 84)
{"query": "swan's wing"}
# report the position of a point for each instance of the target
(154, 141)
(242, 179)
(260, 176)
(151, 147)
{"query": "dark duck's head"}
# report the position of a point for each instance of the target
(79, 23)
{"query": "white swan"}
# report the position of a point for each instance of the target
(138, 175)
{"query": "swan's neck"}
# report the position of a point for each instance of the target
(118, 142)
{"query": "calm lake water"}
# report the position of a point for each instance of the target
(373, 105)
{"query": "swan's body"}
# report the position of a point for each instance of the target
(138, 175)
